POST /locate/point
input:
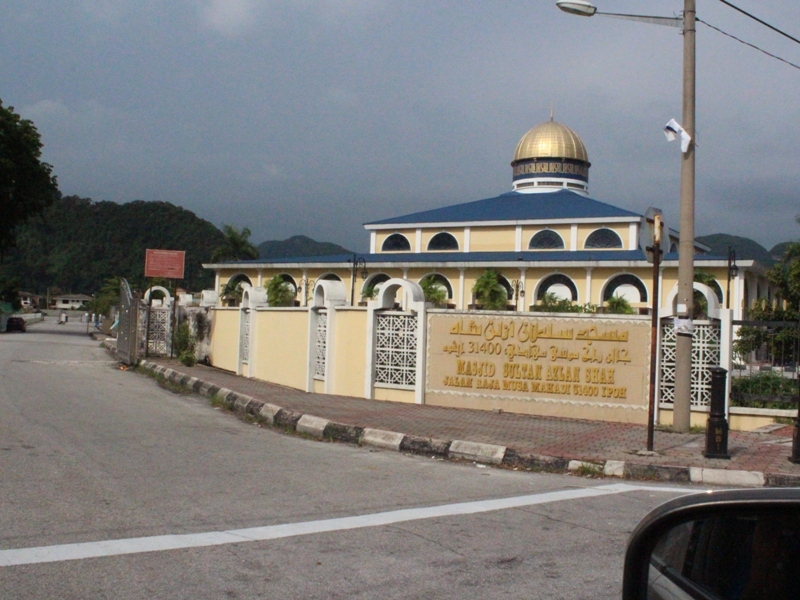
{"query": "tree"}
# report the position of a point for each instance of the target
(489, 292)
(27, 185)
(280, 292)
(617, 305)
(236, 246)
(552, 303)
(434, 292)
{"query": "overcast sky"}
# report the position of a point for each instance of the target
(315, 116)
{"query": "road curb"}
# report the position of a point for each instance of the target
(321, 428)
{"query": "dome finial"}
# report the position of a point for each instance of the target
(551, 110)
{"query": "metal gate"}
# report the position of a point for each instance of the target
(127, 343)
(705, 354)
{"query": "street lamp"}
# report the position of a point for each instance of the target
(358, 263)
(683, 345)
(733, 271)
(519, 291)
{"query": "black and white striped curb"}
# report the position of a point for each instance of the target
(490, 454)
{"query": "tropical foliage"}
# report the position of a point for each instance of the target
(27, 185)
(617, 305)
(280, 292)
(235, 246)
(434, 292)
(552, 303)
(77, 244)
(489, 293)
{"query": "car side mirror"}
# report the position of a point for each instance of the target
(726, 545)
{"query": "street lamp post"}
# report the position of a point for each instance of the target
(683, 344)
(358, 263)
(519, 291)
(733, 271)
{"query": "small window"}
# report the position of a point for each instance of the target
(443, 241)
(603, 238)
(396, 242)
(546, 240)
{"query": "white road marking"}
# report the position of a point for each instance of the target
(79, 551)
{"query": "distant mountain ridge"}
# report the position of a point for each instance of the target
(745, 248)
(298, 245)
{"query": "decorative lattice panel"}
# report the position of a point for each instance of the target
(159, 341)
(396, 350)
(246, 336)
(322, 344)
(705, 354)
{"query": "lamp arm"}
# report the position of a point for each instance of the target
(665, 21)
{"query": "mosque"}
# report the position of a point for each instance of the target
(545, 239)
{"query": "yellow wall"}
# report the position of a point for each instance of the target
(350, 349)
(485, 239)
(224, 347)
(280, 350)
(394, 395)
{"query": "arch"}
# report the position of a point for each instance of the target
(441, 280)
(328, 292)
(396, 242)
(710, 296)
(254, 297)
(626, 285)
(559, 284)
(501, 279)
(443, 241)
(673, 248)
(329, 277)
(603, 238)
(547, 239)
(160, 289)
(388, 293)
(290, 280)
(375, 282)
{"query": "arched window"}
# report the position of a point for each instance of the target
(373, 285)
(560, 285)
(627, 286)
(443, 241)
(603, 238)
(546, 239)
(331, 277)
(673, 248)
(396, 242)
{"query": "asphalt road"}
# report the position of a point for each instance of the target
(193, 503)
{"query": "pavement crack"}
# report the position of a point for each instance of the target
(429, 540)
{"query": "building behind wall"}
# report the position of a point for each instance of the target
(545, 236)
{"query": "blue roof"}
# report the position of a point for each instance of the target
(514, 206)
(439, 257)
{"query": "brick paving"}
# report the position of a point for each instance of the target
(549, 436)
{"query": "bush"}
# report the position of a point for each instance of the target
(184, 345)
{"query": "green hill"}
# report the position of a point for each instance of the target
(298, 245)
(778, 250)
(745, 247)
(78, 243)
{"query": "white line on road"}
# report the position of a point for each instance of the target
(79, 551)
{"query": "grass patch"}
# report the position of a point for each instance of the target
(589, 470)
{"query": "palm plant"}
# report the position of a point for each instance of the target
(434, 292)
(280, 292)
(617, 305)
(235, 246)
(489, 292)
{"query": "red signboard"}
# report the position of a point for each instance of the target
(164, 263)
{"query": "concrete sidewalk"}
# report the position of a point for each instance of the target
(517, 441)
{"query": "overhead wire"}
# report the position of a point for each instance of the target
(791, 64)
(755, 18)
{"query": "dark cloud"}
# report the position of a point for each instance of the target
(314, 117)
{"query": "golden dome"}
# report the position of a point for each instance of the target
(551, 140)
